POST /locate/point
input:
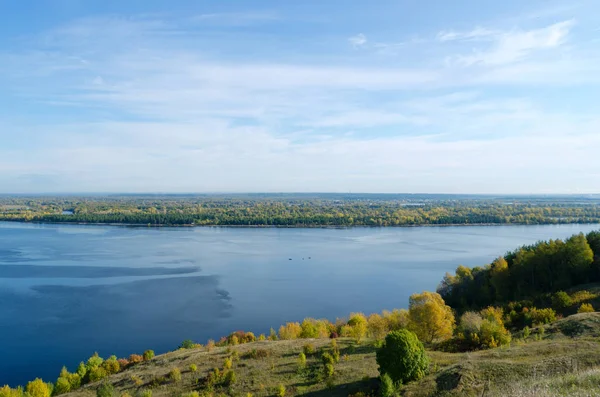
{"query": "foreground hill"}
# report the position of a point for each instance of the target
(561, 358)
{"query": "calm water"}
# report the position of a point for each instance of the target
(67, 291)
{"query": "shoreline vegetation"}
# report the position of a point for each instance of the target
(536, 301)
(301, 211)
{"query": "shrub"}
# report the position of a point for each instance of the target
(258, 353)
(396, 319)
(191, 394)
(526, 332)
(6, 391)
(135, 358)
(542, 316)
(148, 355)
(105, 390)
(62, 386)
(281, 391)
(97, 373)
(193, 368)
(290, 331)
(328, 370)
(123, 363)
(387, 388)
(358, 326)
(137, 380)
(186, 344)
(402, 357)
(94, 361)
(272, 334)
(308, 349)
(210, 345)
(37, 388)
(81, 370)
(175, 375)
(493, 334)
(470, 323)
(302, 360)
(228, 363)
(377, 326)
(327, 359)
(262, 337)
(561, 300)
(229, 378)
(585, 308)
(146, 393)
(111, 366)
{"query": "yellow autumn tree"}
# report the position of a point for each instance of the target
(430, 318)
(37, 388)
(358, 326)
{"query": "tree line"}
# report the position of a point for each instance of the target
(207, 211)
(532, 273)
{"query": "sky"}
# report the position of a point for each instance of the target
(404, 96)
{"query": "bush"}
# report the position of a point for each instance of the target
(258, 353)
(358, 326)
(561, 300)
(94, 361)
(228, 363)
(302, 360)
(105, 390)
(281, 391)
(62, 386)
(135, 358)
(187, 344)
(146, 393)
(37, 388)
(493, 334)
(308, 349)
(175, 375)
(81, 370)
(123, 363)
(328, 370)
(193, 368)
(585, 308)
(210, 345)
(396, 319)
(262, 337)
(542, 316)
(229, 378)
(148, 355)
(402, 357)
(6, 391)
(387, 388)
(377, 326)
(111, 366)
(290, 331)
(97, 373)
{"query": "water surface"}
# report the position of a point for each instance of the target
(67, 290)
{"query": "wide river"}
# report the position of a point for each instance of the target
(67, 291)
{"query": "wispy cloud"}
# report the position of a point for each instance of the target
(476, 34)
(508, 47)
(358, 41)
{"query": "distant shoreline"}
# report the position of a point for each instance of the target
(162, 226)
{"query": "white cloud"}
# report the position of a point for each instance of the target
(509, 47)
(476, 34)
(358, 41)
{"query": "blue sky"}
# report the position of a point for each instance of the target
(240, 96)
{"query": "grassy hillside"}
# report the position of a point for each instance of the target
(556, 359)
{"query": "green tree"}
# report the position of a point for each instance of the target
(402, 357)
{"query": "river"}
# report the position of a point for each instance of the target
(67, 291)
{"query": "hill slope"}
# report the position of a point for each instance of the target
(566, 351)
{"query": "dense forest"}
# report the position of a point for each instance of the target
(531, 275)
(301, 210)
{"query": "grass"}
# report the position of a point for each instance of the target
(562, 363)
